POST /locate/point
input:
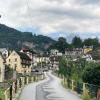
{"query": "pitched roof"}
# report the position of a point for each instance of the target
(23, 56)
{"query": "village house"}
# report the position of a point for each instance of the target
(88, 57)
(20, 62)
(55, 52)
(4, 52)
(2, 69)
(74, 53)
(32, 54)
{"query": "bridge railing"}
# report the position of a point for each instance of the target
(18, 84)
(84, 89)
(89, 91)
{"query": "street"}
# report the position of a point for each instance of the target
(48, 89)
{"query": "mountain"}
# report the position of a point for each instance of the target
(14, 39)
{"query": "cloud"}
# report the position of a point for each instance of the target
(50, 16)
(89, 2)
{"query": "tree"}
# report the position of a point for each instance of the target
(60, 45)
(91, 74)
(77, 42)
(64, 67)
(94, 42)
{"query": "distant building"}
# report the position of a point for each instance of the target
(74, 53)
(19, 61)
(55, 52)
(88, 57)
(4, 52)
(2, 69)
(87, 49)
(32, 54)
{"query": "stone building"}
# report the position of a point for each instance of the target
(20, 62)
(74, 53)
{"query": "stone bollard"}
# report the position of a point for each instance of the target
(22, 81)
(72, 85)
(27, 80)
(32, 78)
(84, 88)
(13, 86)
(6, 95)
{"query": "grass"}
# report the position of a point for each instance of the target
(2, 94)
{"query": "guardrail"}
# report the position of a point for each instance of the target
(18, 84)
(87, 91)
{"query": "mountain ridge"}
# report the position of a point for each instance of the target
(15, 39)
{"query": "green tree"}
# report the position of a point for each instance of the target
(60, 45)
(91, 74)
(64, 67)
(94, 42)
(77, 42)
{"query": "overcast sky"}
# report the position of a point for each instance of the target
(51, 16)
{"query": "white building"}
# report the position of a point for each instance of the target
(55, 52)
(4, 52)
(88, 57)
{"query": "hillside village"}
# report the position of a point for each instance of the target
(25, 61)
(22, 62)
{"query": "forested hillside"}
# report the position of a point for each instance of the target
(14, 39)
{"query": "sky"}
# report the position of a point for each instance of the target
(53, 17)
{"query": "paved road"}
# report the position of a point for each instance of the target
(53, 90)
(49, 89)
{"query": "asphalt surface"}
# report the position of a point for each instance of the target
(48, 89)
(53, 90)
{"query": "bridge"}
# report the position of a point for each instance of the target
(48, 86)
(48, 89)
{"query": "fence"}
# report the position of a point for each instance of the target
(92, 92)
(18, 84)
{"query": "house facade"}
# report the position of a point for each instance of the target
(55, 52)
(4, 52)
(74, 53)
(20, 62)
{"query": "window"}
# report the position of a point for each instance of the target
(15, 66)
(9, 60)
(15, 59)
